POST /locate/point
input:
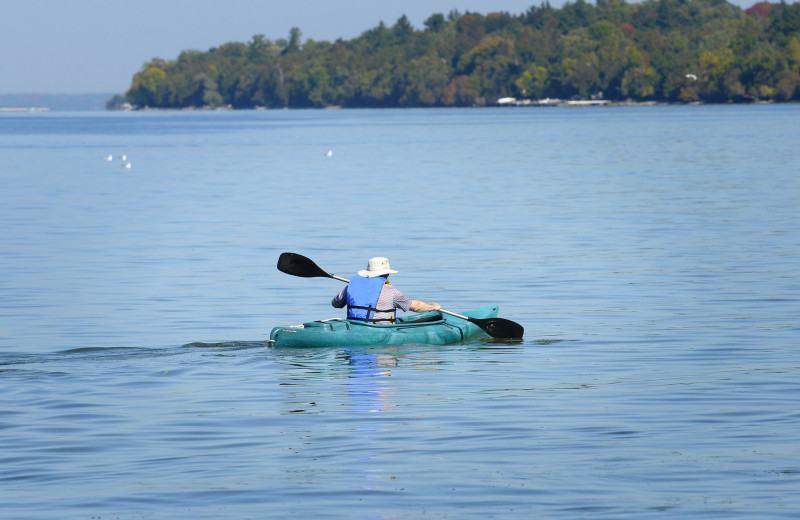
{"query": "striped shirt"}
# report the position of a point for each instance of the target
(391, 298)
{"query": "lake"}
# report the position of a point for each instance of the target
(651, 253)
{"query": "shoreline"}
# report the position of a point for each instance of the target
(506, 103)
(518, 104)
(24, 109)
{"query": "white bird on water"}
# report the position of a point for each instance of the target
(127, 165)
(330, 153)
(123, 157)
(108, 158)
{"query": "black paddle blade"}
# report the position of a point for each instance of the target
(500, 328)
(299, 265)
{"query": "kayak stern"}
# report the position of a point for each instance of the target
(432, 328)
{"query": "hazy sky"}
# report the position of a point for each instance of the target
(95, 46)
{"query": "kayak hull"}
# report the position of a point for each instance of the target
(429, 328)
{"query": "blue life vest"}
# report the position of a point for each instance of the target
(362, 299)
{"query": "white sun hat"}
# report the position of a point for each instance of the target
(377, 266)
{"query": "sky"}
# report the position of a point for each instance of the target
(96, 46)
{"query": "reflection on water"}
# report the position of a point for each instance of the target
(369, 382)
(363, 376)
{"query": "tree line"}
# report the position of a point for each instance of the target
(658, 50)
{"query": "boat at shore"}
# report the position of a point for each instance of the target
(430, 328)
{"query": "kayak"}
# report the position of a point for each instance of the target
(430, 328)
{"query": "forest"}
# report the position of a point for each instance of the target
(671, 51)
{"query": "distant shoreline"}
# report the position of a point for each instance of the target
(21, 102)
(70, 106)
(521, 104)
(23, 109)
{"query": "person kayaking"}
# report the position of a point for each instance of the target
(369, 296)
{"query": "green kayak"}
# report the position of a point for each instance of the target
(431, 328)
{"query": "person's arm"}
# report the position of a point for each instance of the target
(340, 299)
(407, 304)
(421, 306)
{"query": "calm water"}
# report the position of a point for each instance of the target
(651, 254)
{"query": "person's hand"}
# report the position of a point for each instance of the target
(436, 307)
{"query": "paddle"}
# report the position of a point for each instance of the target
(299, 265)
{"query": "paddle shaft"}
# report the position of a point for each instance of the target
(454, 314)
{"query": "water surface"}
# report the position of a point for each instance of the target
(650, 253)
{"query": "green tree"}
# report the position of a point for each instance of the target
(713, 69)
(639, 78)
(402, 28)
(293, 44)
(490, 64)
(435, 23)
(149, 86)
(424, 81)
(533, 81)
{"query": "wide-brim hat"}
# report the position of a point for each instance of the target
(377, 266)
